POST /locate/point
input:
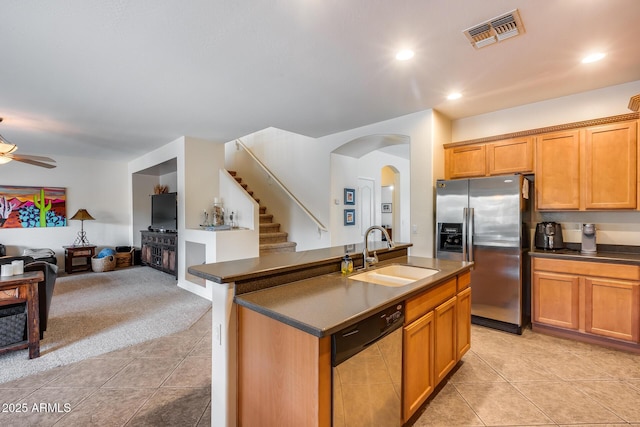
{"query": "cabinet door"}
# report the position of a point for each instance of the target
(463, 323)
(556, 299)
(558, 171)
(417, 370)
(465, 161)
(146, 254)
(445, 352)
(510, 156)
(612, 308)
(609, 173)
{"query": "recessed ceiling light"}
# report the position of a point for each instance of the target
(593, 57)
(405, 54)
(455, 95)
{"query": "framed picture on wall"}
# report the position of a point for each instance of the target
(386, 208)
(349, 196)
(349, 217)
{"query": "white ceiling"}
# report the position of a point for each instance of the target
(116, 79)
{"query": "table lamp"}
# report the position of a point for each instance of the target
(83, 216)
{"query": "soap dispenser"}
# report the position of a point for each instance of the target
(347, 265)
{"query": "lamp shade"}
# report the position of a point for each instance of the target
(82, 215)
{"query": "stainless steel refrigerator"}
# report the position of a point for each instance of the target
(484, 220)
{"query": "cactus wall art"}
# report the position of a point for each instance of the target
(31, 207)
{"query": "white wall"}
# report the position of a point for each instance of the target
(421, 129)
(302, 165)
(96, 185)
(609, 101)
(345, 172)
(622, 228)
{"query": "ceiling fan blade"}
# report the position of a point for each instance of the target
(30, 157)
(33, 162)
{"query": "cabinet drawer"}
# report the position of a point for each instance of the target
(464, 280)
(427, 301)
(586, 268)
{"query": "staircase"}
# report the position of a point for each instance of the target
(271, 238)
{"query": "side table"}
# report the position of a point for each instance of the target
(82, 254)
(27, 285)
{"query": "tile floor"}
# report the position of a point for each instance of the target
(505, 380)
(535, 379)
(163, 382)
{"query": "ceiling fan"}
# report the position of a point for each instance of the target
(7, 150)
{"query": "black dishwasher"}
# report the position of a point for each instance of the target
(367, 370)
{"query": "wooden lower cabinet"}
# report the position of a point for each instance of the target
(418, 369)
(556, 299)
(445, 354)
(284, 374)
(612, 308)
(596, 302)
(463, 313)
(436, 336)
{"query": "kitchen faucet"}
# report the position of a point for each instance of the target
(368, 261)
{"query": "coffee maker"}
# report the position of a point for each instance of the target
(588, 239)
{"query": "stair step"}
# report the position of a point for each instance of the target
(271, 238)
(277, 237)
(266, 218)
(269, 248)
(269, 227)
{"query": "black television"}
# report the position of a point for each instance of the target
(164, 212)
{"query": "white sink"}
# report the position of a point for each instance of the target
(394, 275)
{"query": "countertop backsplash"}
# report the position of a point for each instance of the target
(612, 227)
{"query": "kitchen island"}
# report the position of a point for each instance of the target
(591, 297)
(288, 306)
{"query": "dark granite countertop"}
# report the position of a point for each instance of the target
(325, 304)
(614, 254)
(278, 263)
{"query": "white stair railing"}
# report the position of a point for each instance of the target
(321, 227)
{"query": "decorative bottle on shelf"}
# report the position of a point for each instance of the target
(217, 213)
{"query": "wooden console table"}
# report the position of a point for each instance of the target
(78, 252)
(27, 285)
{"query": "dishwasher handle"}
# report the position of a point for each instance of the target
(355, 338)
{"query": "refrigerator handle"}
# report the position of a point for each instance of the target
(465, 224)
(470, 224)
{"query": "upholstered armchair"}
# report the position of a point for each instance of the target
(45, 287)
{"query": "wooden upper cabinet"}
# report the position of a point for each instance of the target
(609, 172)
(510, 156)
(466, 161)
(558, 171)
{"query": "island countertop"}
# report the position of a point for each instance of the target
(279, 263)
(325, 304)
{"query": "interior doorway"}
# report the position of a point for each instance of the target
(390, 201)
(366, 196)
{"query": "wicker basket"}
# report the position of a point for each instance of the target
(107, 263)
(124, 259)
(13, 324)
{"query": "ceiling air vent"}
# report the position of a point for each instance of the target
(495, 30)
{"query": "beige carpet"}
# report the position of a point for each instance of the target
(95, 313)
